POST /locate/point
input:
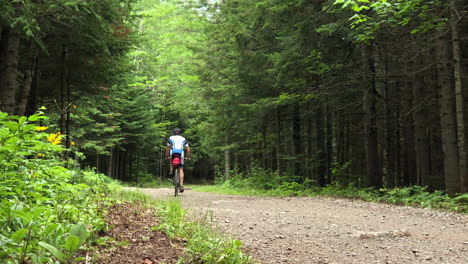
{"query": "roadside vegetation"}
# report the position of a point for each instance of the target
(51, 209)
(267, 183)
(202, 243)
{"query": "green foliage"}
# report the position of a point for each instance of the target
(46, 211)
(411, 196)
(419, 196)
(267, 180)
(203, 244)
(368, 18)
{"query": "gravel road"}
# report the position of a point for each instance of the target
(331, 230)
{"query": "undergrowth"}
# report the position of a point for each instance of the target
(47, 212)
(203, 243)
(267, 183)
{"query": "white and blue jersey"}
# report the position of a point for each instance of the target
(177, 144)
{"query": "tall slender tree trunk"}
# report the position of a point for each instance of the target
(26, 87)
(397, 153)
(68, 115)
(98, 163)
(370, 110)
(130, 166)
(110, 165)
(296, 140)
(448, 119)
(389, 136)
(116, 169)
(420, 128)
(264, 145)
(313, 145)
(278, 140)
(9, 57)
(32, 101)
(460, 107)
(321, 147)
(227, 164)
(329, 140)
(63, 89)
(389, 129)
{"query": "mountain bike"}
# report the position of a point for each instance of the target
(176, 162)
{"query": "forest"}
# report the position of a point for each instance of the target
(290, 94)
(366, 92)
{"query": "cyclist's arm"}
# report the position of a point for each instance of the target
(187, 149)
(168, 150)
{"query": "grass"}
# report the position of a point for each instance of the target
(223, 189)
(203, 243)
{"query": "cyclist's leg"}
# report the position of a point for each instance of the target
(171, 167)
(181, 169)
(181, 174)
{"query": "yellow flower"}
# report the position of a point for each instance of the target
(54, 138)
(51, 137)
(41, 128)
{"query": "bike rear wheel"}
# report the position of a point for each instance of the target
(176, 182)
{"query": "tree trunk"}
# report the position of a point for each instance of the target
(31, 106)
(278, 140)
(329, 145)
(98, 164)
(397, 153)
(26, 90)
(115, 164)
(63, 90)
(68, 116)
(296, 141)
(389, 137)
(370, 110)
(111, 163)
(460, 108)
(420, 128)
(313, 148)
(448, 119)
(227, 164)
(9, 51)
(321, 147)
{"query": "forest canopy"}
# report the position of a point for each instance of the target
(370, 93)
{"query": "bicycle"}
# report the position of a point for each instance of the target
(176, 176)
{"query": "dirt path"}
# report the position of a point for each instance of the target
(322, 230)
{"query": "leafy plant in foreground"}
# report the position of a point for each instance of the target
(47, 212)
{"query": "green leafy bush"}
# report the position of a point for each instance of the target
(47, 212)
(261, 179)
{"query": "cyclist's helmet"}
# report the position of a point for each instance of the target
(176, 131)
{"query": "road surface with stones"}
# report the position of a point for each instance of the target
(331, 230)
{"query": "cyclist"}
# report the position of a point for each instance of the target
(175, 148)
